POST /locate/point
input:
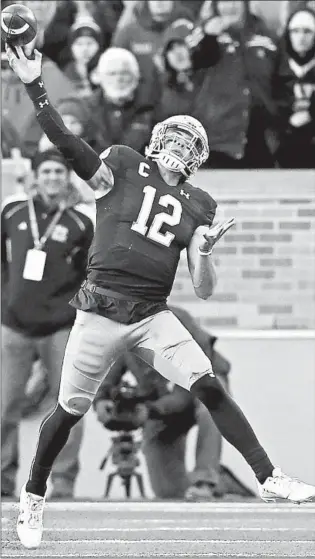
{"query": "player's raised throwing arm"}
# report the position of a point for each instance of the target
(200, 263)
(84, 160)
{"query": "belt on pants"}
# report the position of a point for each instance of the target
(110, 293)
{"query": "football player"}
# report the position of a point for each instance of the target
(146, 214)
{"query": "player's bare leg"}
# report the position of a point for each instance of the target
(175, 355)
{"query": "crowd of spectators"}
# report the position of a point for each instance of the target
(115, 68)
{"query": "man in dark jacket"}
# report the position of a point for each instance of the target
(169, 414)
(121, 109)
(234, 101)
(45, 239)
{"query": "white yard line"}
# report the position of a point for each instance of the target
(171, 507)
(172, 541)
(136, 555)
(177, 529)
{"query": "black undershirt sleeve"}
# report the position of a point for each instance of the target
(82, 157)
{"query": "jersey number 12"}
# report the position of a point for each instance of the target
(154, 232)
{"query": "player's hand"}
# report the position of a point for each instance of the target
(215, 25)
(211, 235)
(25, 68)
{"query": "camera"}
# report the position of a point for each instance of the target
(125, 415)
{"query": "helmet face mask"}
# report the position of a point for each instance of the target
(180, 144)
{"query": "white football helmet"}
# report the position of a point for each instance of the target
(180, 143)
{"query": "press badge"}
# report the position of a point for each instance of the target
(34, 264)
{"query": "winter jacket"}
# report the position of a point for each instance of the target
(236, 89)
(82, 85)
(40, 308)
(178, 89)
(130, 124)
(294, 94)
(142, 36)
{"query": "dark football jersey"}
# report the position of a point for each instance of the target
(141, 227)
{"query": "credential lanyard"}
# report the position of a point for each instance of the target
(39, 243)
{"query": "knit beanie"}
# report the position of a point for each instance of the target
(72, 106)
(85, 27)
(49, 155)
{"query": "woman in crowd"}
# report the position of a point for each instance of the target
(178, 72)
(294, 91)
(85, 40)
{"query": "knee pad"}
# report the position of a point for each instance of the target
(209, 391)
(75, 404)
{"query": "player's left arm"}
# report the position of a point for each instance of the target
(84, 160)
(199, 256)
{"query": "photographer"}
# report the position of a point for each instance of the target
(167, 415)
(45, 238)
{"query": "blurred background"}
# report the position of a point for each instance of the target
(246, 70)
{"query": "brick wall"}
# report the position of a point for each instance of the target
(266, 262)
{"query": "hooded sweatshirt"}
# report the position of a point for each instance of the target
(142, 34)
(294, 83)
(177, 87)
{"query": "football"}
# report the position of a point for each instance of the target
(18, 25)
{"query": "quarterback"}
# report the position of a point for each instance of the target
(147, 212)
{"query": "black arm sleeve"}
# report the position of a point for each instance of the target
(83, 158)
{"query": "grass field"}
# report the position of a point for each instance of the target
(168, 529)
